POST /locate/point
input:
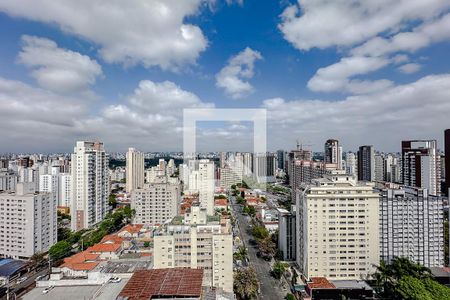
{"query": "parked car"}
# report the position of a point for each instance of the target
(48, 289)
(22, 279)
(115, 279)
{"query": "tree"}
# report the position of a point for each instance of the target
(37, 258)
(289, 296)
(112, 201)
(59, 250)
(260, 232)
(241, 254)
(404, 279)
(146, 244)
(278, 269)
(246, 284)
(266, 248)
(63, 233)
(412, 289)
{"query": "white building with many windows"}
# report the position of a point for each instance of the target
(197, 243)
(156, 202)
(134, 170)
(412, 225)
(28, 222)
(90, 184)
(337, 228)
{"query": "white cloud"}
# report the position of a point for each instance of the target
(336, 77)
(40, 120)
(323, 23)
(382, 119)
(152, 32)
(233, 77)
(409, 68)
(410, 41)
(57, 69)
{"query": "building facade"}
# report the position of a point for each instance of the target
(333, 153)
(90, 184)
(134, 170)
(421, 165)
(156, 202)
(205, 245)
(337, 228)
(366, 163)
(287, 234)
(28, 222)
(412, 226)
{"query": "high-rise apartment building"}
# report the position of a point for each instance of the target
(206, 185)
(333, 153)
(135, 170)
(351, 164)
(65, 190)
(156, 202)
(264, 167)
(366, 163)
(27, 222)
(287, 233)
(90, 184)
(447, 161)
(304, 171)
(281, 159)
(412, 225)
(247, 158)
(379, 167)
(421, 165)
(197, 243)
(337, 228)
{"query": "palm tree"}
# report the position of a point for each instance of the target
(278, 269)
(246, 284)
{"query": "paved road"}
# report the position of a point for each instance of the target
(17, 289)
(270, 287)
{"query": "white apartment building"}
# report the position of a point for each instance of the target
(412, 225)
(421, 165)
(90, 184)
(351, 164)
(206, 185)
(65, 190)
(196, 243)
(337, 228)
(28, 222)
(156, 202)
(8, 180)
(134, 170)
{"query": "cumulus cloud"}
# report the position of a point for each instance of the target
(150, 118)
(233, 77)
(57, 69)
(151, 33)
(323, 23)
(409, 68)
(336, 77)
(409, 41)
(382, 119)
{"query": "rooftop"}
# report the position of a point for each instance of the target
(136, 228)
(10, 266)
(159, 283)
(320, 283)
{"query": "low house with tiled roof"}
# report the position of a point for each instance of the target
(132, 231)
(78, 265)
(106, 250)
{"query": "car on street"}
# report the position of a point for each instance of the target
(115, 279)
(48, 289)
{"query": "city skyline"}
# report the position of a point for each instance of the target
(64, 78)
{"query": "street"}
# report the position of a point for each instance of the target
(270, 288)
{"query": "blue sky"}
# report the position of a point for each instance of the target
(372, 73)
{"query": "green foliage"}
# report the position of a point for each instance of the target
(246, 284)
(64, 233)
(278, 269)
(240, 200)
(63, 216)
(412, 289)
(220, 197)
(241, 254)
(60, 250)
(112, 201)
(146, 244)
(404, 279)
(250, 210)
(289, 296)
(260, 232)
